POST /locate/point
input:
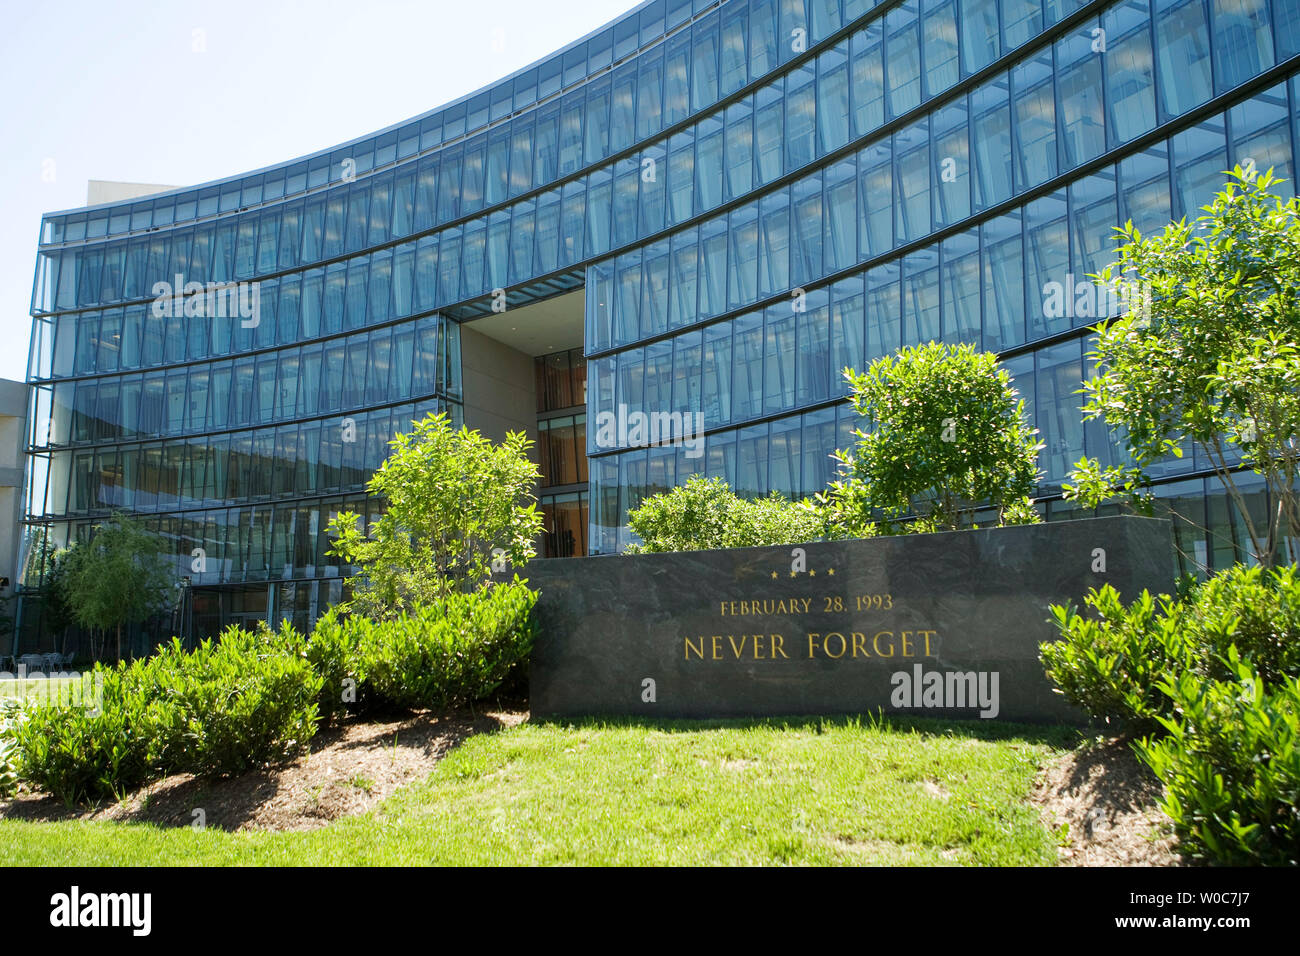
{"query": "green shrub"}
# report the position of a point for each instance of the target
(10, 715)
(452, 651)
(1255, 610)
(92, 751)
(331, 651)
(243, 700)
(705, 514)
(1230, 765)
(225, 707)
(1108, 665)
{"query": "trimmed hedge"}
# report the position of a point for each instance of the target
(1210, 681)
(454, 651)
(229, 705)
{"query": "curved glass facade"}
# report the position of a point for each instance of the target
(753, 194)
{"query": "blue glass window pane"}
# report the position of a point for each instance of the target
(1093, 218)
(622, 125)
(734, 52)
(1144, 189)
(884, 311)
(904, 58)
(769, 132)
(654, 289)
(677, 84)
(1004, 283)
(1183, 54)
(747, 366)
(1243, 41)
(841, 234)
(650, 93)
(806, 222)
(763, 39)
(742, 276)
(952, 165)
(980, 43)
(940, 34)
(1079, 84)
(1199, 157)
(961, 288)
(868, 79)
(653, 189)
(709, 167)
(1021, 20)
(833, 98)
(1130, 71)
(912, 181)
(704, 62)
(1048, 282)
(1035, 116)
(800, 117)
(991, 142)
(921, 322)
(774, 244)
(716, 386)
(779, 359)
(681, 176)
(848, 326)
(684, 279)
(713, 267)
(875, 197)
(1261, 137)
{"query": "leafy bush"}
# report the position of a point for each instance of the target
(225, 707)
(704, 514)
(10, 715)
(331, 652)
(1230, 765)
(1211, 678)
(241, 701)
(1109, 665)
(91, 752)
(455, 650)
(1257, 611)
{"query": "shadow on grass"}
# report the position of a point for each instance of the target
(1055, 735)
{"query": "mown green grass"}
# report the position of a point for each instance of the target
(807, 791)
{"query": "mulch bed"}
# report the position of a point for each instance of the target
(348, 769)
(1108, 797)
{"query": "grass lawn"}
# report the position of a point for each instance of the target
(806, 791)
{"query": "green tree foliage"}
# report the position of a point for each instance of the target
(704, 514)
(118, 578)
(451, 498)
(948, 436)
(1208, 353)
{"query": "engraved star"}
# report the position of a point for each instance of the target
(812, 572)
(773, 575)
(830, 570)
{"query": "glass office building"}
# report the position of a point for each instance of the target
(707, 208)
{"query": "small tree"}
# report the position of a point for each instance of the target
(118, 578)
(949, 437)
(452, 498)
(1211, 357)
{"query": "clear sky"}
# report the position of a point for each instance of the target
(129, 91)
